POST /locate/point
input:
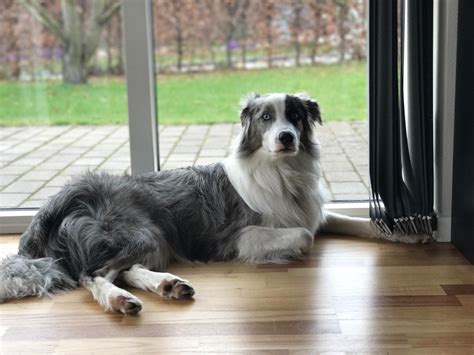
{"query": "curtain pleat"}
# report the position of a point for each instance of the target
(401, 115)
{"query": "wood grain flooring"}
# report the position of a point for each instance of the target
(349, 296)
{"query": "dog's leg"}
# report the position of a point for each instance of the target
(164, 284)
(363, 227)
(111, 297)
(344, 225)
(260, 244)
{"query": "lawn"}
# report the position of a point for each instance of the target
(184, 98)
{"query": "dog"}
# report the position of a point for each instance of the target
(264, 203)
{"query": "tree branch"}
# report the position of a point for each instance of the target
(109, 10)
(42, 15)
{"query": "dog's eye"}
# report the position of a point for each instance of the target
(266, 116)
(295, 116)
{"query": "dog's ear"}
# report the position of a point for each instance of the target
(246, 104)
(312, 107)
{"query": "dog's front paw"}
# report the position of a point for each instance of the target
(176, 288)
(306, 240)
(126, 304)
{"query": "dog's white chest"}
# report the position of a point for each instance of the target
(284, 199)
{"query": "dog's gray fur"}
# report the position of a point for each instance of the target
(263, 203)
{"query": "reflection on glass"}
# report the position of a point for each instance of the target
(62, 96)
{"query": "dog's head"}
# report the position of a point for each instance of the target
(278, 124)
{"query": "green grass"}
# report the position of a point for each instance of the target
(184, 98)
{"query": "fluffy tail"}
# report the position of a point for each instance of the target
(21, 277)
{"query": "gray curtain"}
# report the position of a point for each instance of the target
(401, 115)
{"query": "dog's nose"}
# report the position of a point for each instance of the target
(286, 138)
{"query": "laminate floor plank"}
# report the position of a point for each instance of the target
(349, 295)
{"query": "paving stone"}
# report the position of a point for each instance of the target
(114, 165)
(45, 193)
(334, 157)
(23, 186)
(350, 197)
(187, 148)
(342, 176)
(181, 157)
(92, 162)
(347, 187)
(213, 153)
(12, 200)
(32, 204)
(15, 169)
(52, 165)
(76, 170)
(39, 175)
(29, 161)
(58, 181)
(6, 179)
(208, 160)
(173, 165)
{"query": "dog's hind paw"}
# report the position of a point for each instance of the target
(176, 288)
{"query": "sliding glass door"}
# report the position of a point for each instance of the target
(64, 94)
(78, 86)
(63, 103)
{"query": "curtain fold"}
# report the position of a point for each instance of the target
(401, 115)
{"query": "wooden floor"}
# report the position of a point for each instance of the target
(350, 295)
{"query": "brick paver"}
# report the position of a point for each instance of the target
(36, 161)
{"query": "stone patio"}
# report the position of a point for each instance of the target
(36, 161)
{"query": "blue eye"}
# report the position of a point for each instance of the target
(266, 116)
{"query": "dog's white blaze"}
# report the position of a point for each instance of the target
(270, 139)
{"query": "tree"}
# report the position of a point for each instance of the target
(231, 9)
(243, 30)
(342, 10)
(317, 8)
(78, 31)
(207, 31)
(268, 13)
(9, 41)
(113, 41)
(296, 27)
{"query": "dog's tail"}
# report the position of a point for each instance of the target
(21, 277)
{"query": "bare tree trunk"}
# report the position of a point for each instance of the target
(212, 52)
(74, 68)
(268, 22)
(316, 6)
(297, 6)
(231, 8)
(243, 25)
(228, 52)
(179, 49)
(244, 54)
(119, 67)
(342, 27)
(108, 43)
(179, 38)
